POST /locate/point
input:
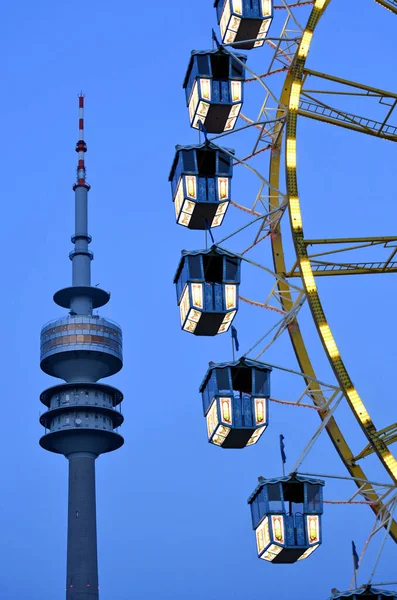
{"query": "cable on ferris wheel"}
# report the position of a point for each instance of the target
(286, 511)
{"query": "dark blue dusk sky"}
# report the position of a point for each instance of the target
(173, 520)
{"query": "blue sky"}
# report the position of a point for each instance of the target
(172, 515)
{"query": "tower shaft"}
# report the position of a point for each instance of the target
(81, 256)
(82, 420)
(82, 563)
(81, 261)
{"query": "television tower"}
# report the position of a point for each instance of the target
(81, 349)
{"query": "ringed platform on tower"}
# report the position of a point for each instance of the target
(78, 409)
(81, 348)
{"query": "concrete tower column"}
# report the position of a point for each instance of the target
(81, 256)
(82, 420)
(82, 563)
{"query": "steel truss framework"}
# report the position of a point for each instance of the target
(321, 268)
(276, 132)
(310, 105)
(293, 97)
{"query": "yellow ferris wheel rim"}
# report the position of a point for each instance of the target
(290, 97)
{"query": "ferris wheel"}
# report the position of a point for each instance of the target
(237, 396)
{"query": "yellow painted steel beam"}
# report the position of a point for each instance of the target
(347, 82)
(290, 97)
(392, 137)
(388, 4)
(389, 436)
(346, 269)
(387, 243)
(353, 247)
(352, 240)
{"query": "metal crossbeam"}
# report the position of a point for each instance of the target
(317, 395)
(323, 394)
(368, 89)
(268, 127)
(388, 435)
(368, 485)
(320, 112)
(287, 321)
(284, 51)
(330, 411)
(294, 4)
(323, 269)
(310, 106)
(385, 239)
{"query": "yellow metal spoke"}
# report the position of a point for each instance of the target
(313, 108)
(322, 269)
(325, 268)
(320, 112)
(353, 240)
(360, 86)
(350, 248)
(388, 436)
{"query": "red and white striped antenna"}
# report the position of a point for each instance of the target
(81, 147)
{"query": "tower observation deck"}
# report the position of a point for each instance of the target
(82, 418)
